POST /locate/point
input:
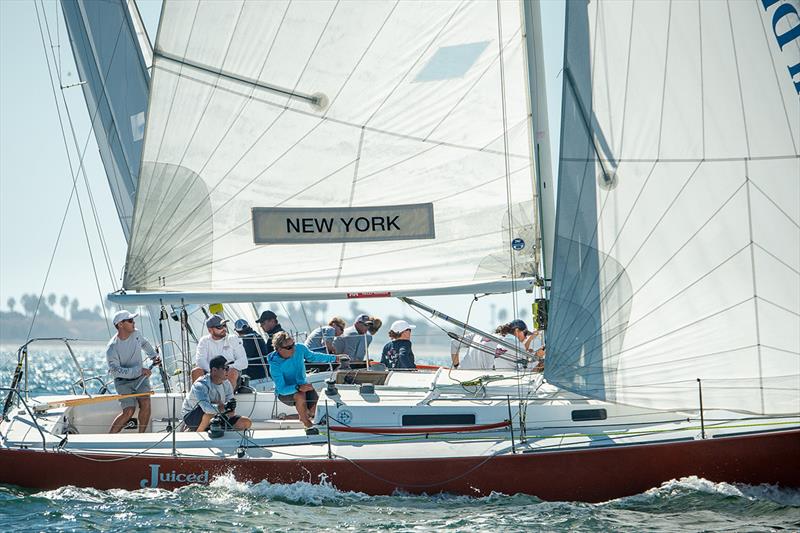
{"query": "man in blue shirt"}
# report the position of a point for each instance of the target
(288, 370)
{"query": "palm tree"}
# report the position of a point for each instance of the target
(29, 302)
(64, 304)
(11, 304)
(51, 300)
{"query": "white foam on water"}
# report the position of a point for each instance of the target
(301, 492)
(70, 492)
(773, 493)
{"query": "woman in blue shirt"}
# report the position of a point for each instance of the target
(397, 353)
(288, 370)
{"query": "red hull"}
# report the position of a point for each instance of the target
(587, 475)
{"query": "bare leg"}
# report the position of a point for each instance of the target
(233, 377)
(302, 410)
(243, 423)
(144, 414)
(123, 417)
(312, 411)
(197, 373)
(205, 422)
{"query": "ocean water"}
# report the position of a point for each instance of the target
(688, 504)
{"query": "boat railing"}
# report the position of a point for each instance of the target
(12, 392)
(22, 359)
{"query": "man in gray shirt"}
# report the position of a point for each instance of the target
(355, 339)
(124, 357)
(212, 395)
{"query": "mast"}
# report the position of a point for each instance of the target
(540, 136)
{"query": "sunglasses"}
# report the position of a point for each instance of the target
(128, 320)
(286, 347)
(223, 326)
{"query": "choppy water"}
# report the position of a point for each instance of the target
(689, 504)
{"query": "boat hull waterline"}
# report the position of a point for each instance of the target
(592, 475)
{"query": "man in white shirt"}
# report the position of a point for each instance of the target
(124, 356)
(218, 342)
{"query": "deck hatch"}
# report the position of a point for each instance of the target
(583, 415)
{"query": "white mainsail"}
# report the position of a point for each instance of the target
(405, 103)
(678, 227)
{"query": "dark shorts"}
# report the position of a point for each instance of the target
(195, 416)
(311, 398)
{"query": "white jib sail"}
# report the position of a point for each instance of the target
(683, 260)
(392, 104)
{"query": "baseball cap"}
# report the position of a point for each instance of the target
(241, 325)
(215, 321)
(518, 324)
(119, 316)
(267, 315)
(218, 361)
(364, 319)
(399, 326)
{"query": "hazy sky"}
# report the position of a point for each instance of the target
(36, 175)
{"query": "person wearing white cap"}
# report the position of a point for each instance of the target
(124, 357)
(355, 340)
(397, 353)
(218, 342)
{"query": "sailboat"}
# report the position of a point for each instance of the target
(355, 150)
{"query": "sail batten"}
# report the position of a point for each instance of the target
(678, 233)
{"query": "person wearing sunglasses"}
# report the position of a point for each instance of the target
(288, 370)
(212, 396)
(124, 357)
(218, 342)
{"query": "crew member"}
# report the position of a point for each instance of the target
(124, 356)
(218, 342)
(212, 395)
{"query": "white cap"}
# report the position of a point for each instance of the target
(119, 316)
(399, 326)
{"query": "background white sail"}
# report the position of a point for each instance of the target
(415, 109)
(678, 229)
(108, 52)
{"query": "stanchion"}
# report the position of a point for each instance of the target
(511, 425)
(702, 419)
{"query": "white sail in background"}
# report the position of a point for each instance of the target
(678, 230)
(110, 55)
(406, 103)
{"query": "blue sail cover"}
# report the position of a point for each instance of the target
(110, 62)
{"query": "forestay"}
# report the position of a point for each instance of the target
(336, 105)
(678, 227)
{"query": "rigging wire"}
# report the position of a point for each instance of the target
(73, 192)
(94, 211)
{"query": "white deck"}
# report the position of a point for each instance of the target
(548, 414)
